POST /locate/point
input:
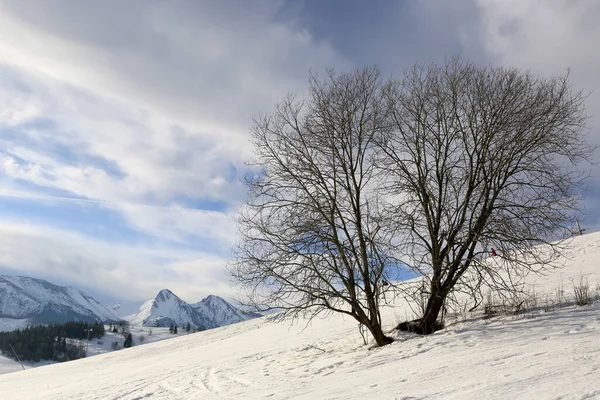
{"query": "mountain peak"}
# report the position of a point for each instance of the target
(213, 298)
(165, 294)
(167, 308)
(39, 301)
(221, 311)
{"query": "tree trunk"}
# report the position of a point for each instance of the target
(380, 338)
(429, 322)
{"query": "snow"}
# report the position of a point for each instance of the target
(9, 365)
(167, 308)
(221, 312)
(11, 324)
(24, 298)
(91, 304)
(141, 335)
(123, 310)
(535, 355)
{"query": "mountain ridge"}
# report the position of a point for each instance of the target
(37, 301)
(32, 301)
(167, 308)
(222, 312)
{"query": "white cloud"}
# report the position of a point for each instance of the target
(139, 108)
(130, 272)
(162, 93)
(178, 223)
(208, 67)
(549, 37)
(545, 36)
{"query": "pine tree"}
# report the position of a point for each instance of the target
(128, 341)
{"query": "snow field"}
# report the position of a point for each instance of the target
(98, 346)
(533, 355)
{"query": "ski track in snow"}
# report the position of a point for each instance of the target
(536, 355)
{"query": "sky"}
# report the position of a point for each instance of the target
(124, 124)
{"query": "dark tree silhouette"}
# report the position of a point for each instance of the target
(312, 237)
(482, 157)
(128, 341)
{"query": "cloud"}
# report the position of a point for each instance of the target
(210, 67)
(96, 149)
(140, 110)
(550, 38)
(165, 96)
(123, 271)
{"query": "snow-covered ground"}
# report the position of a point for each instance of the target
(9, 365)
(141, 335)
(536, 355)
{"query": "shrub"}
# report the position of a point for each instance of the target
(581, 291)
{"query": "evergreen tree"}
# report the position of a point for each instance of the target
(36, 343)
(128, 341)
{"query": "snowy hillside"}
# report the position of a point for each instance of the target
(140, 335)
(540, 354)
(37, 301)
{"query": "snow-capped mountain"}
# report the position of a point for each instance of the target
(166, 309)
(221, 312)
(28, 301)
(40, 302)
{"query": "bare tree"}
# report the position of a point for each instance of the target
(482, 158)
(312, 237)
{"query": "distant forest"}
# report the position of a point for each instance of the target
(49, 342)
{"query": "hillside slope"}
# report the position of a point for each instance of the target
(538, 355)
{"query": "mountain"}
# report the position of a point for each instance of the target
(221, 312)
(166, 309)
(40, 302)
